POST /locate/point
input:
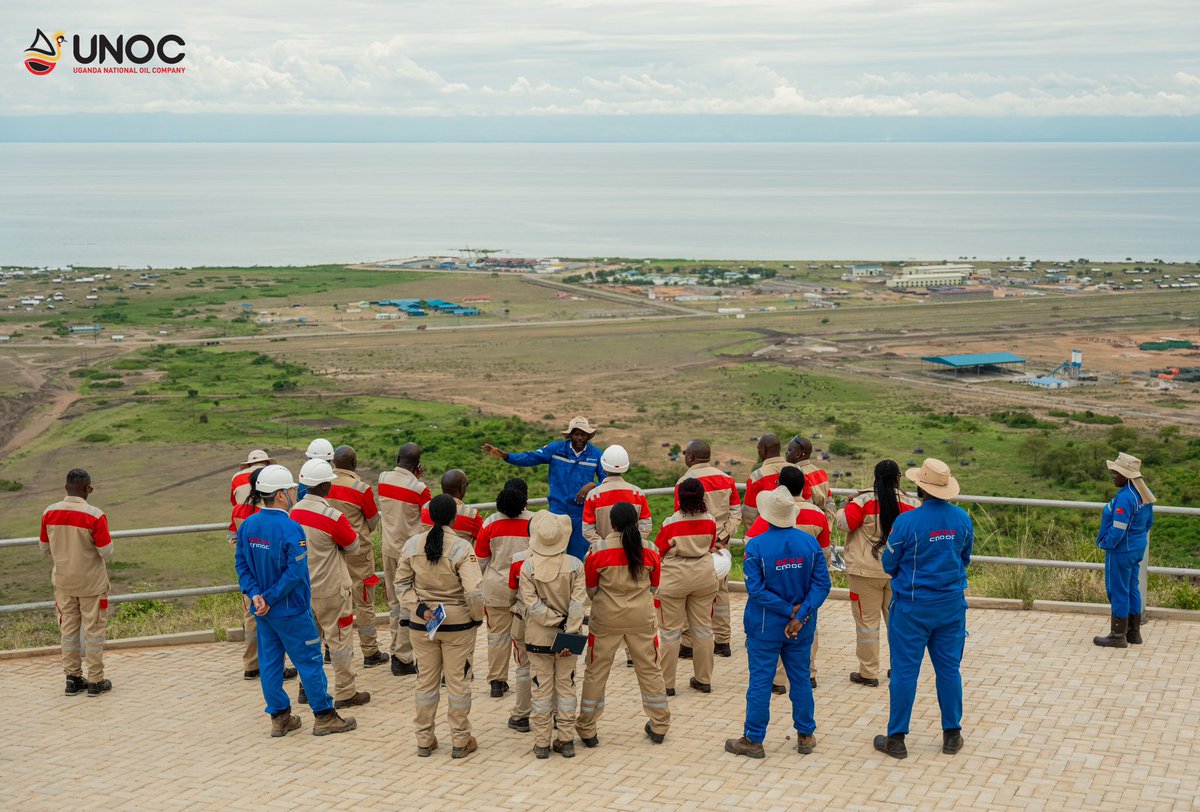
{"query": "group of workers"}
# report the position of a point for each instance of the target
(306, 567)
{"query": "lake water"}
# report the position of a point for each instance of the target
(196, 204)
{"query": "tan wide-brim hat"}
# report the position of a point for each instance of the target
(778, 507)
(256, 457)
(1126, 465)
(582, 424)
(934, 478)
(549, 533)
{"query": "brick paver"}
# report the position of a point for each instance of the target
(1052, 722)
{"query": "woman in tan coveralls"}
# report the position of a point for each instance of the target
(552, 592)
(622, 574)
(439, 567)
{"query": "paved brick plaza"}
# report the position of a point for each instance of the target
(1052, 722)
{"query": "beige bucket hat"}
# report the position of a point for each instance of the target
(581, 423)
(778, 507)
(549, 534)
(934, 478)
(257, 456)
(1126, 465)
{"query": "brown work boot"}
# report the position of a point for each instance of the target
(426, 752)
(467, 749)
(283, 723)
(702, 687)
(805, 744)
(566, 748)
(859, 679)
(329, 722)
(1116, 637)
(745, 747)
(360, 698)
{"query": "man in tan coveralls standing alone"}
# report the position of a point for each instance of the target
(75, 535)
(356, 500)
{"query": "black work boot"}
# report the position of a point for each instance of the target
(289, 673)
(952, 740)
(1134, 635)
(685, 652)
(400, 668)
(372, 660)
(892, 745)
(722, 650)
(75, 685)
(499, 688)
(302, 697)
(328, 655)
(100, 687)
(1116, 637)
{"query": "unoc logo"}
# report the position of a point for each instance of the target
(42, 55)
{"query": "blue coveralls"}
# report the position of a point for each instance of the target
(1124, 528)
(784, 567)
(927, 555)
(568, 473)
(272, 561)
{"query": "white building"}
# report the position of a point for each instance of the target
(928, 276)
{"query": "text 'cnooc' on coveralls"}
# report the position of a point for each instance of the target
(1124, 535)
(569, 472)
(272, 561)
(784, 568)
(927, 555)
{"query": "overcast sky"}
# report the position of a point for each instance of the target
(519, 57)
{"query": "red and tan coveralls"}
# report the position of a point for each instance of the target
(687, 592)
(524, 693)
(552, 590)
(603, 498)
(500, 538)
(354, 498)
(75, 534)
(239, 490)
(622, 611)
(401, 497)
(455, 582)
(725, 505)
(870, 586)
(764, 478)
(816, 491)
(330, 538)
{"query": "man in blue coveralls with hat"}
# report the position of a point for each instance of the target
(927, 555)
(787, 580)
(574, 470)
(1124, 528)
(272, 567)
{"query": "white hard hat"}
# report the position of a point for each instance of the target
(318, 449)
(722, 563)
(615, 459)
(315, 472)
(257, 456)
(274, 478)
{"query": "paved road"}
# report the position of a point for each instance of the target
(1052, 723)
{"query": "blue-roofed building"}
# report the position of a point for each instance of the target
(465, 311)
(980, 363)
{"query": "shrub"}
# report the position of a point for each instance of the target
(10, 485)
(97, 437)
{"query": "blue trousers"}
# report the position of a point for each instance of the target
(764, 655)
(1121, 581)
(578, 545)
(297, 635)
(912, 628)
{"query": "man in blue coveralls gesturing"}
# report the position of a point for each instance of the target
(574, 470)
(272, 567)
(787, 580)
(927, 555)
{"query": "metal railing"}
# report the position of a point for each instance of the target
(27, 541)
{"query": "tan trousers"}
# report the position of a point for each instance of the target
(82, 621)
(694, 613)
(335, 618)
(499, 641)
(362, 567)
(524, 686)
(553, 698)
(720, 620)
(250, 627)
(449, 654)
(643, 648)
(869, 599)
(401, 645)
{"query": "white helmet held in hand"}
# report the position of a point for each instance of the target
(274, 478)
(722, 563)
(615, 460)
(319, 449)
(316, 472)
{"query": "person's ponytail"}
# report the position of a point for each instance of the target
(624, 517)
(442, 511)
(254, 498)
(887, 481)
